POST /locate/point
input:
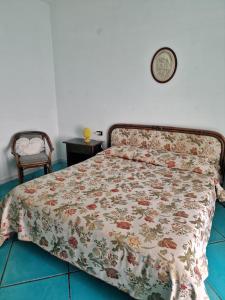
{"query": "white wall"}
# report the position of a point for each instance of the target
(27, 86)
(102, 52)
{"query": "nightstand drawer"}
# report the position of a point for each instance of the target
(80, 149)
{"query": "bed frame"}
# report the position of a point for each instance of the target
(214, 134)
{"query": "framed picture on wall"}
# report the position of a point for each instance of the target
(164, 64)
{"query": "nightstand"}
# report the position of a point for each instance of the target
(77, 150)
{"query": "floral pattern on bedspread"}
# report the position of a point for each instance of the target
(138, 226)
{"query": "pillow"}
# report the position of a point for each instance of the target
(126, 152)
(25, 146)
(168, 159)
(173, 160)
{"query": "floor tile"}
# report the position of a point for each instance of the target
(218, 220)
(28, 261)
(55, 288)
(8, 186)
(212, 295)
(4, 252)
(215, 236)
(84, 286)
(216, 261)
(73, 269)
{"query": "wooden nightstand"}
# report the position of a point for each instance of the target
(77, 150)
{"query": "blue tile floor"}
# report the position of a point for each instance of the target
(28, 272)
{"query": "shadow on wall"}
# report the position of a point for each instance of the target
(10, 161)
(79, 130)
(61, 147)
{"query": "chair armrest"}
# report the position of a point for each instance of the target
(51, 148)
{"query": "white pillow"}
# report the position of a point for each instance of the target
(24, 146)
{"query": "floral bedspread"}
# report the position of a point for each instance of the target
(135, 219)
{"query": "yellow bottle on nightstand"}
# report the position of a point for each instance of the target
(87, 135)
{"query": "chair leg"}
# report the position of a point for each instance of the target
(20, 174)
(50, 168)
(45, 169)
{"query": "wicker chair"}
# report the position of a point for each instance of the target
(42, 159)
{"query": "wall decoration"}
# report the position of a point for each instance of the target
(164, 64)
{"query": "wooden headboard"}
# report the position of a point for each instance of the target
(205, 143)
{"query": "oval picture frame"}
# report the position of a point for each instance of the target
(163, 65)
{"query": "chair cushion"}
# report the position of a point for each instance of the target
(35, 158)
(25, 146)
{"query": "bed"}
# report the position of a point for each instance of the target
(137, 215)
